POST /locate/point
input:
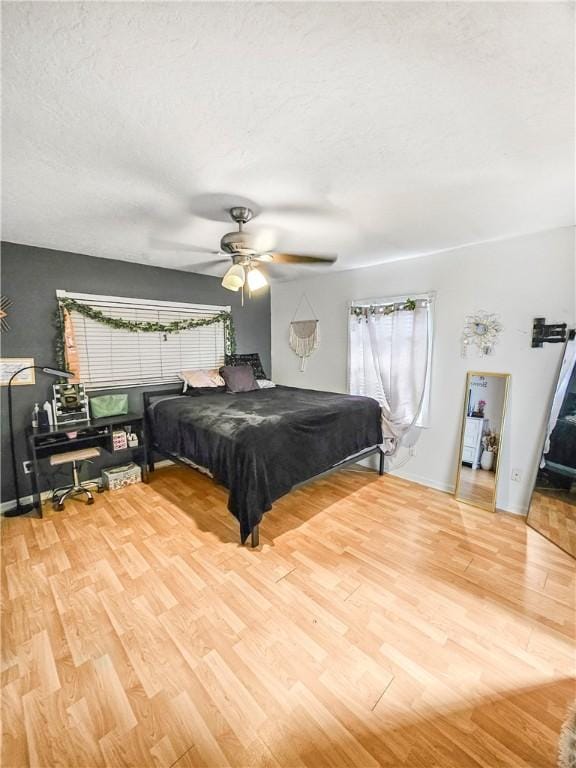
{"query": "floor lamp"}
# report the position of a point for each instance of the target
(21, 509)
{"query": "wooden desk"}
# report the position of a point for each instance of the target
(43, 443)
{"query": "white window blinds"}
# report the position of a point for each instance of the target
(112, 357)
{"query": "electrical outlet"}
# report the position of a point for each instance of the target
(516, 475)
(27, 467)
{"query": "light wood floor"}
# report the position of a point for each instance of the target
(379, 624)
(553, 513)
(477, 486)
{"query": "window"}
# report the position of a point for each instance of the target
(390, 354)
(111, 357)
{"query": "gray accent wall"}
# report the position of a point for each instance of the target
(30, 278)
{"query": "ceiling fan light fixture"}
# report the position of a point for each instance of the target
(235, 278)
(256, 279)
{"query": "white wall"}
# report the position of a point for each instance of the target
(520, 279)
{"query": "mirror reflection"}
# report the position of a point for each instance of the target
(553, 506)
(481, 438)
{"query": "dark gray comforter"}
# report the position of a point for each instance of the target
(260, 444)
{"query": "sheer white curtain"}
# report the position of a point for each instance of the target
(389, 349)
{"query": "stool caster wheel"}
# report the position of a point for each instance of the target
(57, 507)
(89, 501)
(100, 489)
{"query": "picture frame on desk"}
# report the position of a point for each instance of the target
(9, 366)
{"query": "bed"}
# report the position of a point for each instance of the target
(260, 444)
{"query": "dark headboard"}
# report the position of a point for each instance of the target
(147, 400)
(153, 394)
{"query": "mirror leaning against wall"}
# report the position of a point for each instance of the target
(481, 438)
(552, 509)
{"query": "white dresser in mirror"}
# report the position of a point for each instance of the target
(474, 429)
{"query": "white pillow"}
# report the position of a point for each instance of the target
(208, 377)
(265, 383)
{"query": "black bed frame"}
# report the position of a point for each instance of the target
(255, 533)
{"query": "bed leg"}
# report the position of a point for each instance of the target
(381, 462)
(255, 536)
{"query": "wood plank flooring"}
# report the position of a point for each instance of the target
(380, 623)
(477, 486)
(553, 513)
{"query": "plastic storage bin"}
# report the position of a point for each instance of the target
(115, 478)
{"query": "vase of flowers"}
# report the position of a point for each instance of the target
(490, 446)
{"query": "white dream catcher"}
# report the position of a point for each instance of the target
(304, 334)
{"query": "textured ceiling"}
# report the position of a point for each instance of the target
(405, 128)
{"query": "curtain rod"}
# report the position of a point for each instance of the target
(388, 309)
(425, 296)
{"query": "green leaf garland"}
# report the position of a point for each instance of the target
(382, 309)
(154, 327)
(59, 349)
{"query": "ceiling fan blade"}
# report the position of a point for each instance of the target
(298, 258)
(263, 240)
(169, 245)
(297, 209)
(206, 264)
(216, 206)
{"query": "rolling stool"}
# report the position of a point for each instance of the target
(72, 457)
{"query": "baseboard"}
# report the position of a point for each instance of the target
(24, 500)
(426, 481)
(522, 511)
(419, 480)
(6, 505)
(45, 495)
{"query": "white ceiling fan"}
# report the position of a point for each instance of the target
(249, 251)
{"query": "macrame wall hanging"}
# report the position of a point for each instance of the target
(304, 334)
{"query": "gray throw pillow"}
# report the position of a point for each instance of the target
(239, 378)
